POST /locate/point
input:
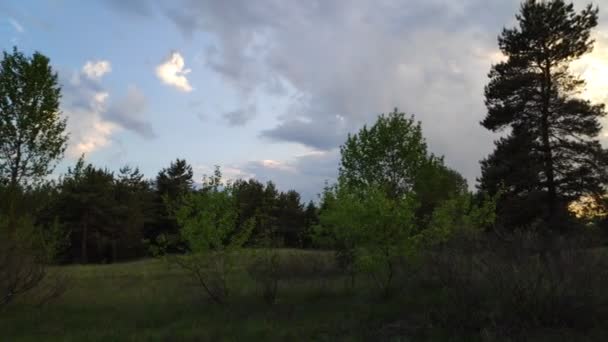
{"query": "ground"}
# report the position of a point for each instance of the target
(149, 300)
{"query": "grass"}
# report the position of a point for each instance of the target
(149, 300)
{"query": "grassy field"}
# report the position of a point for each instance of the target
(149, 300)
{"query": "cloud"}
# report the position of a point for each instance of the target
(171, 71)
(340, 64)
(93, 119)
(84, 102)
(323, 133)
(306, 173)
(128, 113)
(95, 70)
(138, 7)
(241, 116)
(16, 25)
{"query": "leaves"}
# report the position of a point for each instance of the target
(32, 133)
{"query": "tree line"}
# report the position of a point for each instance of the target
(114, 216)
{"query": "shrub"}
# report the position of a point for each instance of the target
(25, 251)
(513, 287)
(208, 226)
(369, 230)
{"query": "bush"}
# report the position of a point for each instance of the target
(25, 251)
(369, 230)
(511, 288)
(208, 226)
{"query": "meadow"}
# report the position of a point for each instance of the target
(152, 300)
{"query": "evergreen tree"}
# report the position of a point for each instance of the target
(172, 184)
(311, 219)
(132, 208)
(551, 154)
(87, 206)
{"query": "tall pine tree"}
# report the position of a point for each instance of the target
(551, 154)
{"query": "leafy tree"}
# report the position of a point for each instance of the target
(32, 140)
(208, 225)
(32, 133)
(461, 216)
(392, 154)
(371, 231)
(551, 154)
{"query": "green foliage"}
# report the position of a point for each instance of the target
(392, 155)
(32, 133)
(172, 185)
(25, 251)
(370, 230)
(208, 226)
(552, 131)
(389, 154)
(459, 217)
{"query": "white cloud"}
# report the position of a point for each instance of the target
(93, 119)
(16, 25)
(277, 165)
(88, 130)
(96, 69)
(172, 72)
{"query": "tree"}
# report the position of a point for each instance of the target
(370, 231)
(87, 206)
(132, 196)
(389, 154)
(208, 225)
(290, 218)
(172, 185)
(551, 154)
(32, 133)
(32, 140)
(311, 219)
(176, 180)
(392, 155)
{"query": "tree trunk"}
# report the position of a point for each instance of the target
(83, 245)
(114, 250)
(547, 151)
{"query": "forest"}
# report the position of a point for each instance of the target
(398, 248)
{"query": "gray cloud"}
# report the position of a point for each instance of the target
(128, 113)
(306, 173)
(322, 134)
(137, 7)
(93, 117)
(240, 116)
(343, 63)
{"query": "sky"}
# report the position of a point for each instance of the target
(269, 89)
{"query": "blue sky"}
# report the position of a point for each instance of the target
(268, 89)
